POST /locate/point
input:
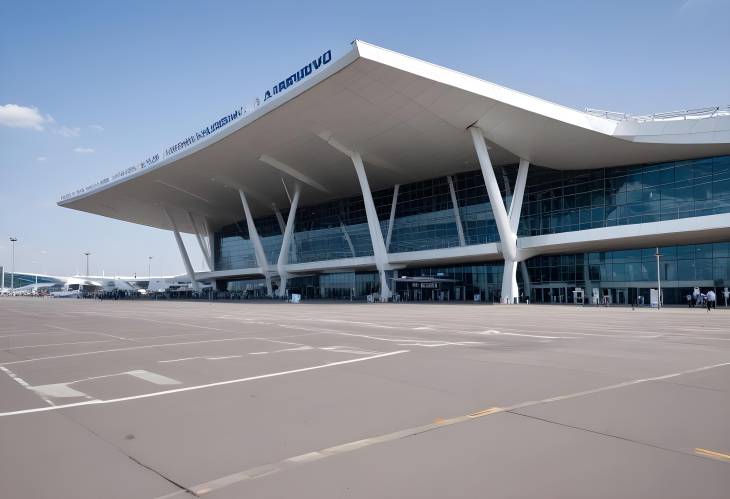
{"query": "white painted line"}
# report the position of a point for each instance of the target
(58, 390)
(48, 333)
(258, 353)
(179, 360)
(297, 349)
(155, 378)
(493, 332)
(350, 350)
(201, 387)
(55, 344)
(23, 383)
(68, 330)
(124, 349)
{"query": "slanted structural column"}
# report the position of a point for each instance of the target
(507, 223)
(258, 248)
(204, 247)
(376, 235)
(183, 251)
(286, 242)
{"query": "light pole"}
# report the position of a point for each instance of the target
(658, 280)
(13, 240)
(87, 263)
(149, 269)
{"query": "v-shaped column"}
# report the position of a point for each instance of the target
(183, 252)
(286, 242)
(376, 235)
(507, 223)
(258, 248)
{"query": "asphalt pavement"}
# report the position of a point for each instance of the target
(151, 399)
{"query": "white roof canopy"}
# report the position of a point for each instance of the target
(407, 118)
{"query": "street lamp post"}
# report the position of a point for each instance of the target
(149, 269)
(13, 240)
(658, 280)
(87, 263)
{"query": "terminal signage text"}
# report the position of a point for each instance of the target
(299, 75)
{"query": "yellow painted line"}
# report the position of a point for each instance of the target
(713, 454)
(485, 412)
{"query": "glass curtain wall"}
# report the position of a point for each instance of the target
(555, 201)
(562, 201)
(628, 275)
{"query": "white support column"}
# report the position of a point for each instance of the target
(183, 251)
(376, 235)
(211, 242)
(203, 246)
(258, 248)
(507, 224)
(509, 246)
(515, 208)
(346, 235)
(393, 206)
(457, 216)
(279, 218)
(286, 242)
(526, 279)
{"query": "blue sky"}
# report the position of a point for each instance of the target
(112, 82)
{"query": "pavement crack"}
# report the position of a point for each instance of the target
(161, 475)
(131, 458)
(603, 434)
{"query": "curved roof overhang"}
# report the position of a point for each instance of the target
(408, 119)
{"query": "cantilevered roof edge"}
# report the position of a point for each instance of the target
(337, 65)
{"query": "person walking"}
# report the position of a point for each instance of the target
(711, 298)
(707, 301)
(689, 300)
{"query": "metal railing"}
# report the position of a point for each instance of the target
(685, 114)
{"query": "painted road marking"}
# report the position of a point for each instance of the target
(202, 387)
(201, 358)
(55, 344)
(157, 379)
(58, 390)
(271, 468)
(492, 331)
(23, 383)
(485, 412)
(345, 349)
(713, 454)
(141, 347)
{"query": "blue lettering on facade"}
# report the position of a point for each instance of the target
(299, 75)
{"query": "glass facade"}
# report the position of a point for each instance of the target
(626, 275)
(555, 201)
(336, 229)
(563, 201)
(20, 280)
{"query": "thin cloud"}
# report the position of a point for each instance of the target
(68, 132)
(41, 158)
(15, 116)
(690, 5)
(84, 150)
(98, 128)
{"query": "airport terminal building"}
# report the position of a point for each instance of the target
(377, 174)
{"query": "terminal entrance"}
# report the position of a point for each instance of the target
(427, 289)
